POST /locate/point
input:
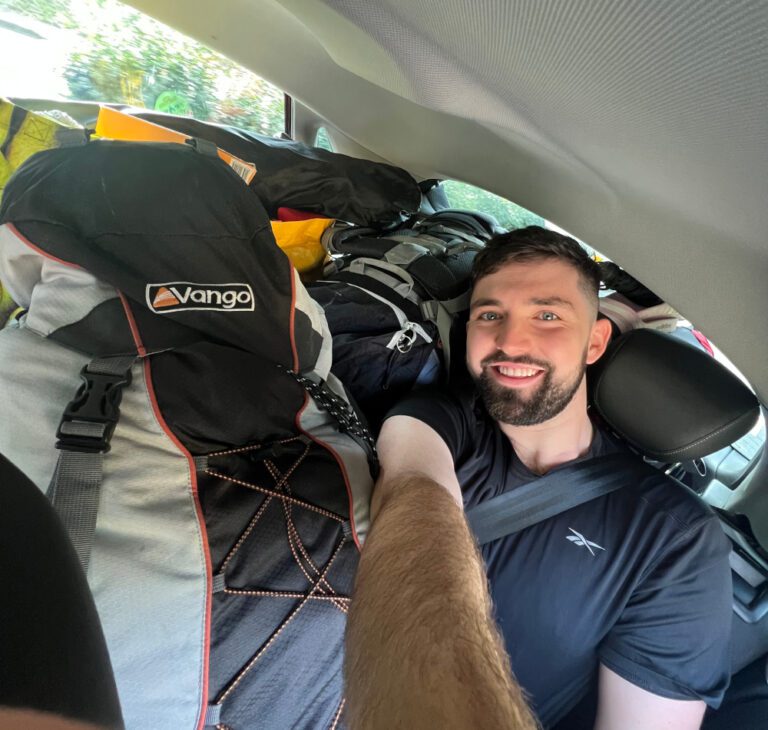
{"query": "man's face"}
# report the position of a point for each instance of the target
(530, 336)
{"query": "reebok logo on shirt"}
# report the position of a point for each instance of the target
(173, 296)
(578, 539)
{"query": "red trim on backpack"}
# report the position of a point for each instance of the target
(198, 509)
(16, 232)
(140, 349)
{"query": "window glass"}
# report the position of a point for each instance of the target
(508, 214)
(322, 140)
(102, 50)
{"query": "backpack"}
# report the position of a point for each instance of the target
(391, 301)
(294, 175)
(213, 476)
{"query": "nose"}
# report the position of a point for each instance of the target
(513, 336)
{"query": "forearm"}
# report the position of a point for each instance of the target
(422, 648)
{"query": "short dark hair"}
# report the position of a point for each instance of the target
(535, 243)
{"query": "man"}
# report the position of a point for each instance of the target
(632, 588)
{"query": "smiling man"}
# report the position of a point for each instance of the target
(630, 591)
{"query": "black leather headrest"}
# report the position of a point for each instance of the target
(668, 399)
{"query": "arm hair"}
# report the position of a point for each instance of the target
(422, 649)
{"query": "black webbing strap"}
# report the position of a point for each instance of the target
(343, 413)
(84, 434)
(554, 493)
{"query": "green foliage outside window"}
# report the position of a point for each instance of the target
(508, 214)
(52, 12)
(122, 56)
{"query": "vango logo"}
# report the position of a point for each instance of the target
(173, 296)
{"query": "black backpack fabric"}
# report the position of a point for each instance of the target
(235, 479)
(310, 179)
(392, 301)
(381, 347)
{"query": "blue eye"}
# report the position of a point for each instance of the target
(489, 316)
(548, 316)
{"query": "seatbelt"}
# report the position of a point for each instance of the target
(556, 492)
(83, 435)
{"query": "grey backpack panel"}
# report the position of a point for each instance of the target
(146, 519)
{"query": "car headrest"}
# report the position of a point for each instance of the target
(670, 400)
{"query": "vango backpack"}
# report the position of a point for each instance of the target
(169, 387)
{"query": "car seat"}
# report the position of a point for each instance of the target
(53, 657)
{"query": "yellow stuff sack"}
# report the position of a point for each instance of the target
(301, 241)
(22, 133)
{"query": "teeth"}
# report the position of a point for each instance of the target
(517, 372)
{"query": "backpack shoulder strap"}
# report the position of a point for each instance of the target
(83, 435)
(554, 493)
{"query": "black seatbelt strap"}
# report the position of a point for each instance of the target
(554, 493)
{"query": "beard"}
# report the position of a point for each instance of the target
(515, 408)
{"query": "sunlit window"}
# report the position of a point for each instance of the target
(322, 140)
(104, 51)
(508, 214)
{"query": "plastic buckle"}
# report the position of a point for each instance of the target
(203, 146)
(97, 401)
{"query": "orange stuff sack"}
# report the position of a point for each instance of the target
(113, 124)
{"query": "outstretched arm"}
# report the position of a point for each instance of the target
(422, 648)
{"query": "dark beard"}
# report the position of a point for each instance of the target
(507, 405)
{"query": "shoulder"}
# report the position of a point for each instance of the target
(669, 503)
(656, 526)
(663, 534)
(450, 414)
(428, 403)
(656, 495)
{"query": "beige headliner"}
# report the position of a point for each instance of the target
(642, 128)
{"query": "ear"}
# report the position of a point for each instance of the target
(598, 340)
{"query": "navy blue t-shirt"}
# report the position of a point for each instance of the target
(637, 580)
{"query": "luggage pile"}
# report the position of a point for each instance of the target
(293, 175)
(394, 281)
(213, 476)
(391, 299)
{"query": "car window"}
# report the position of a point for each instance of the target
(102, 50)
(508, 214)
(322, 140)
